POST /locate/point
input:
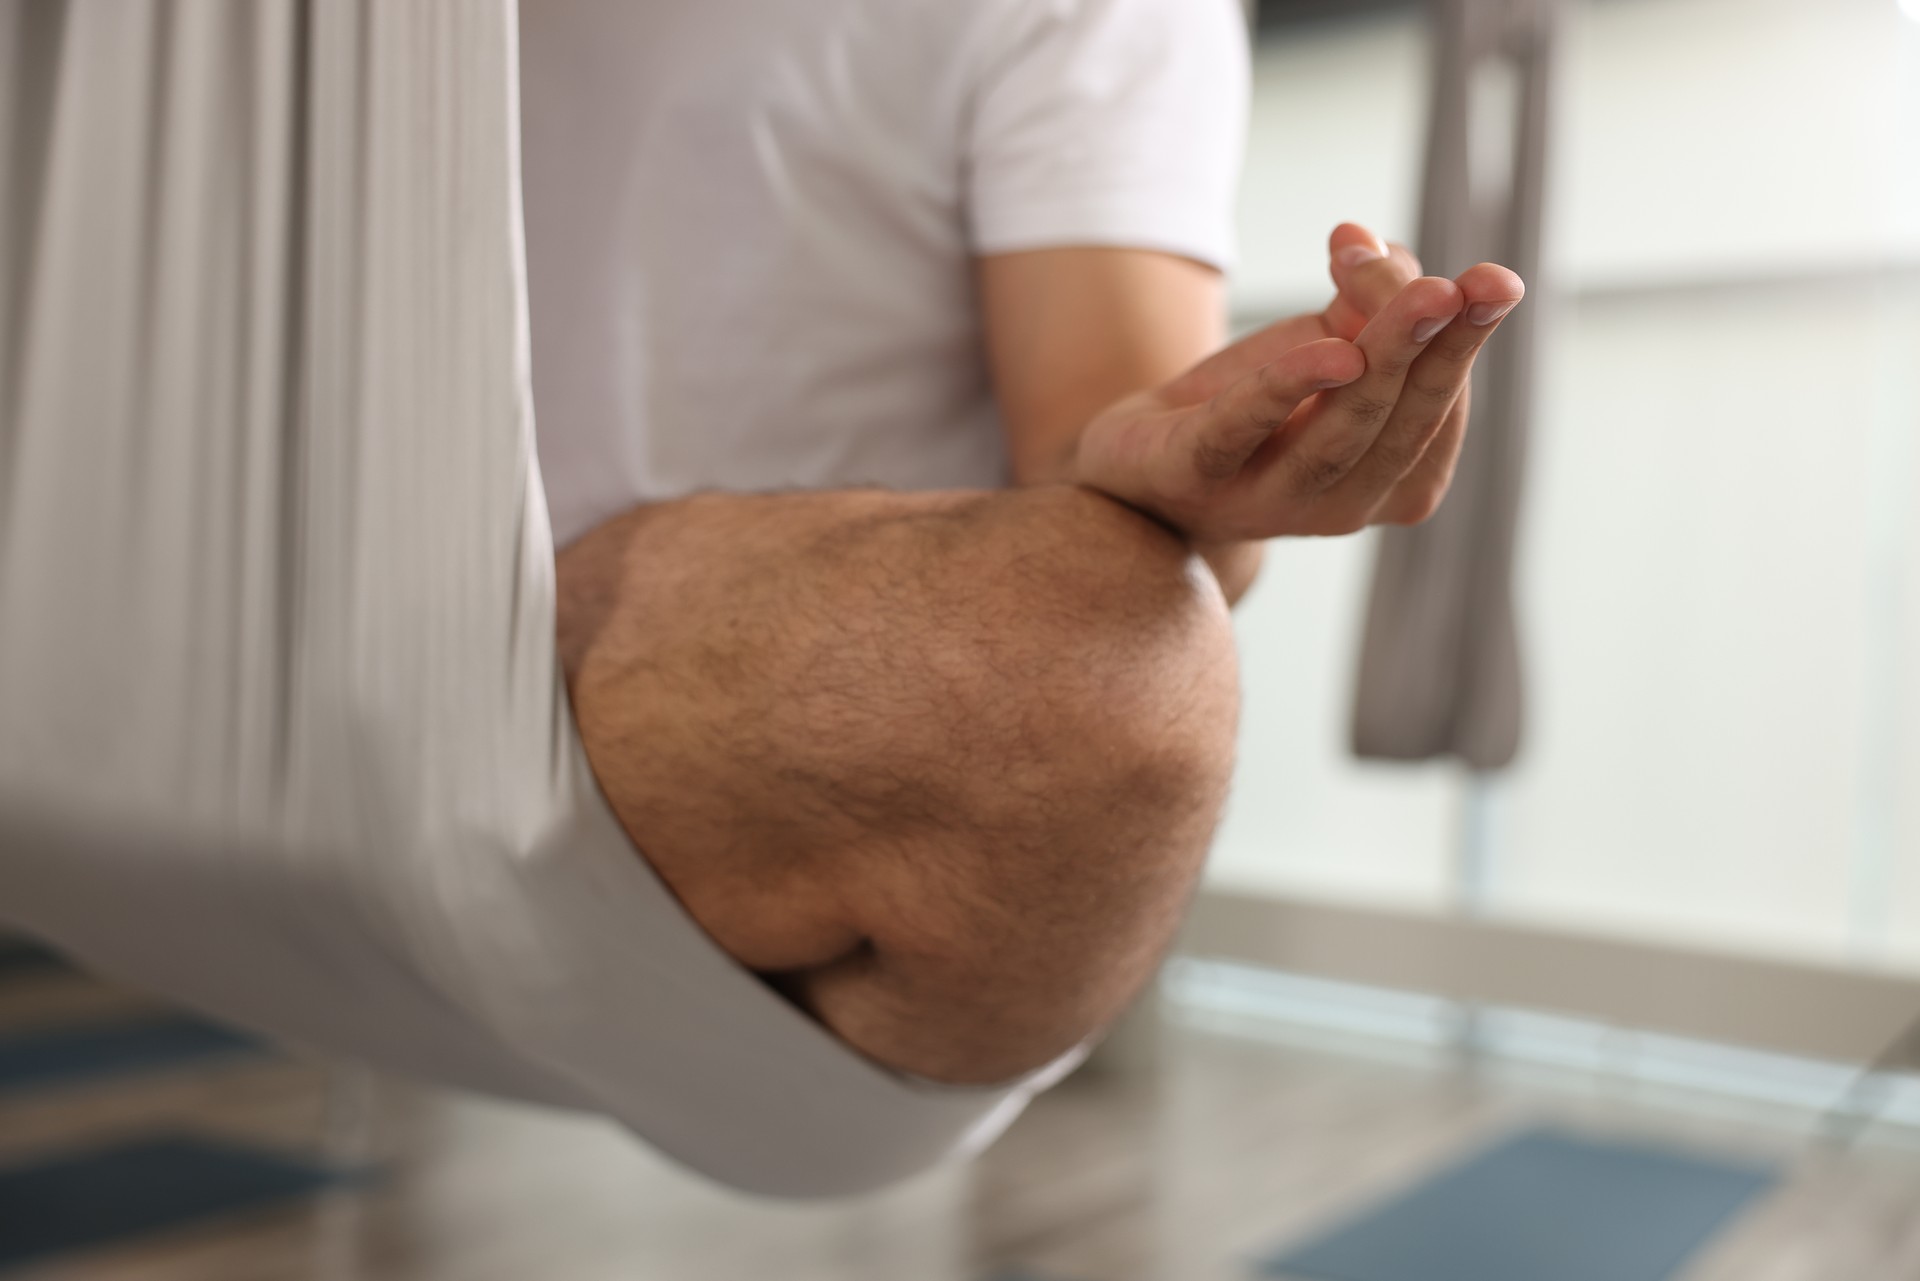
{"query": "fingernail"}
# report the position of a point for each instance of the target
(1485, 313)
(1358, 255)
(1426, 329)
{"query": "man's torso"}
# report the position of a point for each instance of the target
(747, 249)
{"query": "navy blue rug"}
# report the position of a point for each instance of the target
(62, 1056)
(103, 1197)
(1541, 1206)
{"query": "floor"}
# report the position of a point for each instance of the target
(1236, 1148)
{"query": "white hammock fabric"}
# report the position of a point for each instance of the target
(281, 732)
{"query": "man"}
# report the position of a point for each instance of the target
(943, 766)
(946, 765)
(280, 729)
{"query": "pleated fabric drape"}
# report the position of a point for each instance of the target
(281, 730)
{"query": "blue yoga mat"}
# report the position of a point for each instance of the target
(54, 1057)
(107, 1196)
(1541, 1206)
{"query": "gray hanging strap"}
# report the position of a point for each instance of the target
(1440, 671)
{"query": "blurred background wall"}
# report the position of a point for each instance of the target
(1721, 564)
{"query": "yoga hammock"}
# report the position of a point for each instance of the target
(281, 731)
(1440, 669)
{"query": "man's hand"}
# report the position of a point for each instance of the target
(1323, 424)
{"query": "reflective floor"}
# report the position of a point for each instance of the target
(1236, 1150)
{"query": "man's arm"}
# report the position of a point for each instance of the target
(945, 766)
(1071, 331)
(1321, 424)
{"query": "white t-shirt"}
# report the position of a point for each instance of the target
(751, 223)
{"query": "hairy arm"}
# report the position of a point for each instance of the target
(1071, 331)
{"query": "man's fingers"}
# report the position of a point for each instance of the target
(1418, 494)
(1492, 292)
(1238, 359)
(1349, 234)
(1405, 473)
(1346, 423)
(1366, 285)
(1368, 273)
(1220, 436)
(1443, 375)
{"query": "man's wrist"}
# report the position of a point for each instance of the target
(1105, 460)
(1092, 465)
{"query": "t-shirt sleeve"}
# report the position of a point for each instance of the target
(1109, 122)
